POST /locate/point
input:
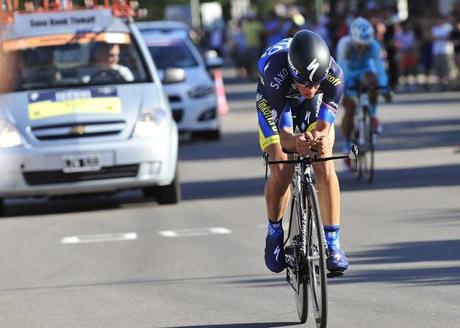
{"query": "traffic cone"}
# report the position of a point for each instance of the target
(222, 105)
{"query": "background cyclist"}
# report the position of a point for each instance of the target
(298, 77)
(360, 57)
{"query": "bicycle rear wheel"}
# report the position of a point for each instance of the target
(367, 159)
(316, 259)
(298, 272)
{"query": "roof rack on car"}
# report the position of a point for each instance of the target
(120, 8)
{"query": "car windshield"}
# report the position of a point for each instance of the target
(176, 54)
(72, 60)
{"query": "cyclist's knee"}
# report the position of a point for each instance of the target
(324, 171)
(280, 173)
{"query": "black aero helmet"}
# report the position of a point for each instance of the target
(309, 58)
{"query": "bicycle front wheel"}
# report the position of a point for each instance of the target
(299, 271)
(367, 160)
(316, 258)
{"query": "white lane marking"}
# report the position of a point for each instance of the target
(100, 238)
(194, 232)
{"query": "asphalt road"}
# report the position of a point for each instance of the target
(122, 261)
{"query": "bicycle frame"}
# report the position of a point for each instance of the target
(306, 253)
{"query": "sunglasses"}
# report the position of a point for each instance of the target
(308, 84)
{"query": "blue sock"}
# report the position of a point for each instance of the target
(275, 229)
(373, 110)
(346, 146)
(332, 236)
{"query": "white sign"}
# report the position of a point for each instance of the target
(86, 20)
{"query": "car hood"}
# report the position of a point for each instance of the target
(92, 106)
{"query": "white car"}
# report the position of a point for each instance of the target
(187, 81)
(84, 109)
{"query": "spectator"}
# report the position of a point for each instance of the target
(455, 36)
(408, 59)
(252, 31)
(273, 29)
(443, 50)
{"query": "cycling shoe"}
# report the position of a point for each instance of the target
(274, 252)
(336, 260)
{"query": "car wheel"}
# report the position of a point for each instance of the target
(169, 194)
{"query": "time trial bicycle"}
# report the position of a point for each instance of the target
(363, 135)
(305, 246)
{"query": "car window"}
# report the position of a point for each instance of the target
(73, 60)
(176, 54)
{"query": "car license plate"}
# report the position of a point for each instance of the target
(82, 163)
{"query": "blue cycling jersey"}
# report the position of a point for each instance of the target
(278, 100)
(355, 65)
(276, 84)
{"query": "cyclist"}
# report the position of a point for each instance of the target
(359, 55)
(300, 84)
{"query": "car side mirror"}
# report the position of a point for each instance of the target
(173, 75)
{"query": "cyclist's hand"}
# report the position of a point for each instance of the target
(302, 145)
(318, 142)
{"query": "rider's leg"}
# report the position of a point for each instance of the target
(277, 198)
(329, 202)
(277, 185)
(328, 187)
(370, 81)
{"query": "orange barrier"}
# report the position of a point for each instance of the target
(222, 105)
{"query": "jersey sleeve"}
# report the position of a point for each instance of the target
(376, 53)
(332, 88)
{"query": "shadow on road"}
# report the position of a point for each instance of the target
(407, 254)
(223, 188)
(419, 134)
(244, 325)
(431, 176)
(232, 145)
(73, 204)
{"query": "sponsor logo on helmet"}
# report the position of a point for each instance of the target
(269, 114)
(279, 78)
(312, 67)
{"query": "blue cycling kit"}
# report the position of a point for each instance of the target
(278, 101)
(356, 65)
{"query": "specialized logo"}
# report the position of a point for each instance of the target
(312, 67)
(277, 252)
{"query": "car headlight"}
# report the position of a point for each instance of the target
(148, 123)
(9, 135)
(201, 91)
